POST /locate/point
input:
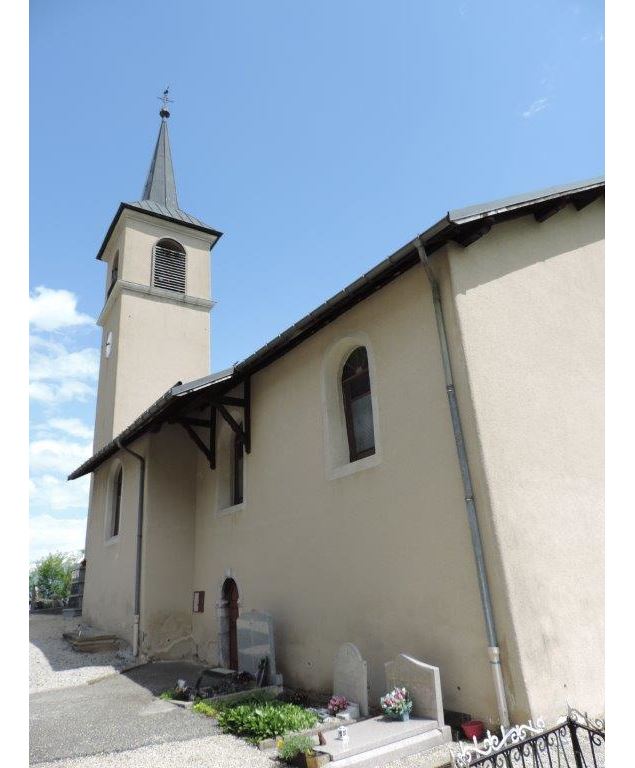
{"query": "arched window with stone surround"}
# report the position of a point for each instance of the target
(168, 266)
(358, 407)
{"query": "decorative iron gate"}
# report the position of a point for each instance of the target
(575, 742)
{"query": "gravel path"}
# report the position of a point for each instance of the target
(217, 751)
(54, 664)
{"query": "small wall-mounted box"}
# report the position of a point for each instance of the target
(198, 605)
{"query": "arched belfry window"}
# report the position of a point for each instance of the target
(358, 407)
(168, 266)
(115, 502)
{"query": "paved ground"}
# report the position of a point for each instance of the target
(118, 720)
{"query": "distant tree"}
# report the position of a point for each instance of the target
(51, 577)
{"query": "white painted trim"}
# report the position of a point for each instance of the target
(156, 293)
(336, 451)
(353, 467)
(112, 474)
(229, 510)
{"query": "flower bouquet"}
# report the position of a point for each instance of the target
(337, 704)
(396, 704)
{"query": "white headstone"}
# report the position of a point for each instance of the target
(350, 676)
(254, 631)
(423, 683)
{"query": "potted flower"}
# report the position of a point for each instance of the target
(337, 704)
(473, 729)
(396, 704)
(297, 749)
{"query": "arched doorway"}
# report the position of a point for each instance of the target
(230, 598)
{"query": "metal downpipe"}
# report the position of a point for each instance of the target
(137, 587)
(493, 651)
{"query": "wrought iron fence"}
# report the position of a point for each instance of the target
(575, 742)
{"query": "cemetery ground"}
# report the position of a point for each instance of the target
(86, 713)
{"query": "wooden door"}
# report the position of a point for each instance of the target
(231, 596)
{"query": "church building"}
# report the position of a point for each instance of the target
(415, 466)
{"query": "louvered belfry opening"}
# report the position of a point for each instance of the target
(168, 266)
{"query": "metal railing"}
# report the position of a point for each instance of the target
(577, 741)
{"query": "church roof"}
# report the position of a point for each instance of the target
(159, 192)
(160, 186)
(463, 226)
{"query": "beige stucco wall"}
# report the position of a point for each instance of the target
(158, 338)
(109, 588)
(168, 545)
(529, 304)
(381, 557)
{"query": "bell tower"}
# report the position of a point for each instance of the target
(155, 319)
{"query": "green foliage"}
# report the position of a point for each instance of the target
(167, 695)
(51, 577)
(206, 708)
(257, 720)
(295, 745)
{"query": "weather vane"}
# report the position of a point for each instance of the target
(164, 99)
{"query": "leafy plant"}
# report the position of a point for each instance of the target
(50, 579)
(258, 720)
(293, 746)
(206, 708)
(175, 694)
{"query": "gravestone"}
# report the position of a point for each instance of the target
(350, 676)
(254, 631)
(423, 683)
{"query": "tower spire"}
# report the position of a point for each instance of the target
(160, 186)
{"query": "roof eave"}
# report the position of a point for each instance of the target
(128, 206)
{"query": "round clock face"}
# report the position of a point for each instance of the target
(108, 348)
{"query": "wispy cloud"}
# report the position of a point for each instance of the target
(51, 309)
(74, 427)
(51, 534)
(536, 106)
(63, 373)
(58, 375)
(50, 492)
(57, 455)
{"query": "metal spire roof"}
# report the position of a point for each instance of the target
(160, 186)
(159, 194)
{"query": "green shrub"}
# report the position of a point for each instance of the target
(258, 720)
(294, 746)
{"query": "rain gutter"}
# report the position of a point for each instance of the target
(493, 650)
(137, 586)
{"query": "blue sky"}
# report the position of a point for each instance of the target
(319, 137)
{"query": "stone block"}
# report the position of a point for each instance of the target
(255, 641)
(422, 681)
(350, 676)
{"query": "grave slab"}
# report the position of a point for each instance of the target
(422, 681)
(371, 734)
(255, 641)
(350, 676)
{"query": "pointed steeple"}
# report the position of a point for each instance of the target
(160, 186)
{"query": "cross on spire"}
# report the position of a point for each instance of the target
(165, 100)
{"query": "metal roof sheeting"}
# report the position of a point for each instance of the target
(462, 225)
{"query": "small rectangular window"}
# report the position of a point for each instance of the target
(237, 471)
(116, 510)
